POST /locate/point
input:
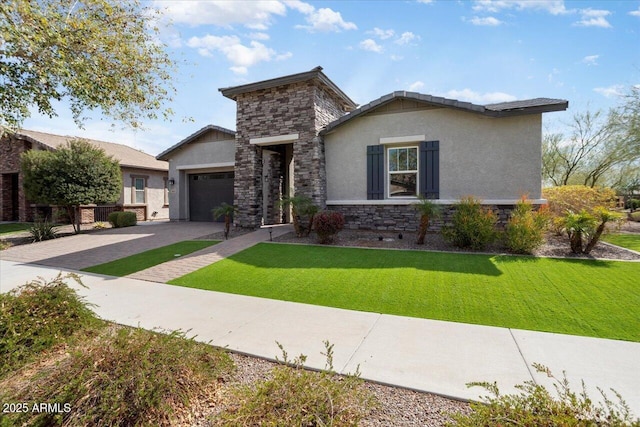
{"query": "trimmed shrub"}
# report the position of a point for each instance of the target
(635, 216)
(327, 224)
(127, 219)
(113, 219)
(525, 230)
(37, 316)
(534, 405)
(293, 396)
(122, 219)
(472, 225)
(42, 230)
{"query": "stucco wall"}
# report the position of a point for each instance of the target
(490, 158)
(154, 194)
(200, 155)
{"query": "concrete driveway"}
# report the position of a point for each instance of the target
(84, 250)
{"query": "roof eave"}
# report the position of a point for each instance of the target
(192, 137)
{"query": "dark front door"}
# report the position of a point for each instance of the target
(206, 192)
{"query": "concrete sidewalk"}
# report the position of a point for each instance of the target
(427, 355)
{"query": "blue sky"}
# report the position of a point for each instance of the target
(482, 51)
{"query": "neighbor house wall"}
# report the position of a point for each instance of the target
(495, 159)
(154, 206)
(212, 152)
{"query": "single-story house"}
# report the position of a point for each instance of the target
(302, 135)
(145, 187)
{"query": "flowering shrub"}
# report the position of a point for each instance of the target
(575, 198)
(472, 227)
(526, 227)
(327, 224)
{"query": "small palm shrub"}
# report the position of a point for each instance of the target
(472, 226)
(327, 224)
(427, 210)
(42, 230)
(575, 198)
(585, 229)
(37, 316)
(526, 228)
(294, 396)
(303, 212)
(536, 406)
(225, 210)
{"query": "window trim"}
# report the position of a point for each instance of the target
(388, 172)
(134, 191)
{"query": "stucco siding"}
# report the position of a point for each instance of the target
(490, 158)
(154, 192)
(200, 155)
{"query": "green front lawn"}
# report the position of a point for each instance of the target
(144, 260)
(14, 227)
(579, 297)
(629, 241)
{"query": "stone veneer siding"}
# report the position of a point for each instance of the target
(403, 217)
(10, 151)
(302, 108)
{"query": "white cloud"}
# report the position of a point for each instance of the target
(594, 18)
(259, 36)
(370, 45)
(488, 21)
(554, 7)
(325, 20)
(252, 14)
(416, 86)
(425, 1)
(241, 57)
(591, 59)
(406, 38)
(612, 91)
(635, 12)
(382, 34)
(395, 57)
(480, 98)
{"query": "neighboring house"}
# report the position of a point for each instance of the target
(301, 135)
(144, 179)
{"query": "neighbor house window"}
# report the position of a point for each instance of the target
(166, 191)
(403, 171)
(138, 189)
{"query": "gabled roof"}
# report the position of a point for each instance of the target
(193, 137)
(316, 73)
(503, 109)
(125, 155)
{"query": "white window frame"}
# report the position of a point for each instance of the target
(134, 190)
(388, 172)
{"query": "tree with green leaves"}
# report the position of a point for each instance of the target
(95, 54)
(73, 175)
(600, 149)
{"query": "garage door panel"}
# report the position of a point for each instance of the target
(206, 192)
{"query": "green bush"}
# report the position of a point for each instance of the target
(37, 316)
(125, 377)
(584, 229)
(526, 228)
(632, 204)
(127, 219)
(42, 230)
(635, 216)
(122, 219)
(575, 198)
(327, 224)
(294, 396)
(536, 406)
(472, 226)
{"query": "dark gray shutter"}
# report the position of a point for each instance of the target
(375, 172)
(430, 169)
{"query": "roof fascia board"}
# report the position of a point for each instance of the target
(192, 137)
